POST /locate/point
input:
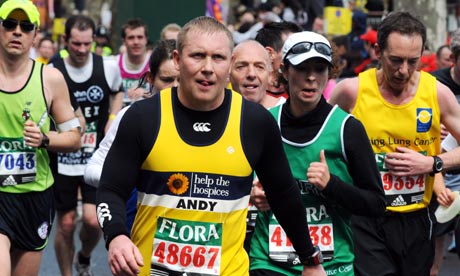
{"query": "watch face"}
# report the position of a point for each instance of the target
(438, 164)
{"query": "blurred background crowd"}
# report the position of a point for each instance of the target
(349, 24)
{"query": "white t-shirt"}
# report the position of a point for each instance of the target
(93, 169)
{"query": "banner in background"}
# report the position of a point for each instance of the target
(337, 21)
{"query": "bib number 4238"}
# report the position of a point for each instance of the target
(320, 235)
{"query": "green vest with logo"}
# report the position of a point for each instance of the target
(22, 168)
(329, 223)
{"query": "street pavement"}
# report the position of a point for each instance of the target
(49, 267)
(451, 263)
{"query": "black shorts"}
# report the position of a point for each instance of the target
(27, 218)
(396, 244)
(66, 192)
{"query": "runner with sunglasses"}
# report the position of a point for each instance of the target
(331, 160)
(11, 24)
(402, 110)
(30, 94)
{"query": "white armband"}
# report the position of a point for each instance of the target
(68, 125)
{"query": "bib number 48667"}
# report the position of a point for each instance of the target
(186, 255)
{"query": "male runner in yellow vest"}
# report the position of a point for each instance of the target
(401, 109)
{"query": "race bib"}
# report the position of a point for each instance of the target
(393, 185)
(321, 234)
(18, 162)
(74, 163)
(400, 190)
(89, 139)
(186, 247)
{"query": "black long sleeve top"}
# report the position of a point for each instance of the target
(262, 145)
(366, 197)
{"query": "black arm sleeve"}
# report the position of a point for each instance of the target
(263, 142)
(366, 197)
(125, 155)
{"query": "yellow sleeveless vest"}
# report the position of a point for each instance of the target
(415, 125)
(193, 199)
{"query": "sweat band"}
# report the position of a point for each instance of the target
(68, 125)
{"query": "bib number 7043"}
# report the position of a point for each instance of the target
(17, 161)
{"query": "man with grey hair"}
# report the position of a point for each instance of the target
(250, 73)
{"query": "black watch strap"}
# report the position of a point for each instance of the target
(45, 141)
(315, 259)
(438, 165)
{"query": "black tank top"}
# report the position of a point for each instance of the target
(92, 95)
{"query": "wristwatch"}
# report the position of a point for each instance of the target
(438, 165)
(45, 141)
(315, 259)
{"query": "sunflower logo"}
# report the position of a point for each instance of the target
(178, 183)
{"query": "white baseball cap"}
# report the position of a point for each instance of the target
(307, 45)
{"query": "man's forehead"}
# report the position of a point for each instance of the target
(246, 58)
(135, 30)
(251, 53)
(77, 32)
(194, 32)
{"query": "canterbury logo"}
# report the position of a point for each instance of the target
(201, 127)
(103, 213)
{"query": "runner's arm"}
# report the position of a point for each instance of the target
(266, 154)
(120, 171)
(57, 96)
(93, 169)
(366, 196)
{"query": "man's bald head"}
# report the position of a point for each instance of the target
(250, 70)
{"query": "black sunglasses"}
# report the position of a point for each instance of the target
(305, 47)
(11, 24)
